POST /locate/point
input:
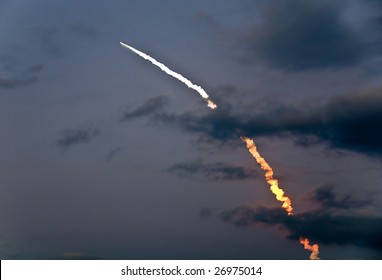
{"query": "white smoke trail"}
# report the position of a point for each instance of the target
(178, 76)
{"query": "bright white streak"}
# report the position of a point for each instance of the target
(178, 76)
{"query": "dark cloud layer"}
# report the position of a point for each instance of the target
(212, 171)
(304, 34)
(348, 122)
(152, 105)
(72, 137)
(328, 199)
(324, 227)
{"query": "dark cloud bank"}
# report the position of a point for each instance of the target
(348, 122)
(307, 34)
(329, 224)
(328, 199)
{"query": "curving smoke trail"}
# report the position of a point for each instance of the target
(278, 192)
(178, 76)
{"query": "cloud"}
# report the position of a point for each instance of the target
(322, 226)
(327, 198)
(83, 30)
(216, 171)
(151, 106)
(205, 212)
(14, 75)
(35, 68)
(72, 137)
(113, 153)
(347, 122)
(304, 34)
(11, 83)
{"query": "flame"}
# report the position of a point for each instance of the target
(211, 104)
(274, 183)
(177, 76)
(313, 248)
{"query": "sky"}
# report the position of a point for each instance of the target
(104, 156)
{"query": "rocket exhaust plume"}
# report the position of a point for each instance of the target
(279, 193)
(274, 183)
(313, 248)
(178, 76)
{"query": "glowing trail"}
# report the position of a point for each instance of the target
(178, 76)
(279, 193)
(313, 248)
(274, 183)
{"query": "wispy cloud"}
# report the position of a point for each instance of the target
(151, 106)
(216, 171)
(328, 199)
(113, 153)
(70, 137)
(14, 75)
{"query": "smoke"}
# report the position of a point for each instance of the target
(178, 76)
(274, 183)
(278, 192)
(313, 248)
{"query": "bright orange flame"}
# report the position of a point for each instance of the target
(274, 183)
(313, 248)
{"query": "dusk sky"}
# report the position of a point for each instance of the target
(104, 156)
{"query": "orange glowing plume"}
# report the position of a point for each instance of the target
(274, 183)
(313, 248)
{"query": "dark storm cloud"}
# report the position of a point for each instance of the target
(72, 137)
(320, 226)
(327, 198)
(151, 106)
(348, 122)
(216, 171)
(303, 34)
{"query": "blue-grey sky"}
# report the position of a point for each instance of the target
(104, 156)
